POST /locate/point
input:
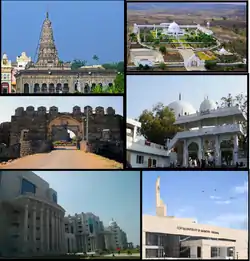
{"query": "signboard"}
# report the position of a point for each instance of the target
(198, 230)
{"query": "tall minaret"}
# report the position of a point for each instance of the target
(161, 209)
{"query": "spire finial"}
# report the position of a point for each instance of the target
(47, 15)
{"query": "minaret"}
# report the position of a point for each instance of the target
(47, 55)
(161, 209)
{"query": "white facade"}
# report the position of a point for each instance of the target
(144, 154)
(31, 221)
(210, 131)
(88, 233)
(115, 237)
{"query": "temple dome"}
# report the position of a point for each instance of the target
(112, 223)
(208, 105)
(174, 28)
(181, 108)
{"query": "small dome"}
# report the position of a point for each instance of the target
(112, 223)
(5, 57)
(207, 105)
(181, 108)
(174, 28)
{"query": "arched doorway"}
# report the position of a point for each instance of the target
(4, 87)
(86, 88)
(44, 88)
(193, 149)
(60, 130)
(51, 88)
(26, 88)
(65, 88)
(59, 88)
(227, 149)
(36, 88)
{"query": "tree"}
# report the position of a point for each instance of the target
(157, 124)
(162, 49)
(241, 101)
(162, 66)
(77, 63)
(95, 58)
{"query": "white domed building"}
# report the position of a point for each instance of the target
(181, 108)
(207, 105)
(173, 29)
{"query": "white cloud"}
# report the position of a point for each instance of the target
(223, 202)
(230, 220)
(215, 197)
(241, 189)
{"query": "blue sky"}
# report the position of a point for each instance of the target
(107, 194)
(81, 28)
(145, 91)
(182, 192)
(64, 104)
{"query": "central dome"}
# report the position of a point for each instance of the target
(174, 28)
(181, 108)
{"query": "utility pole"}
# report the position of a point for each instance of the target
(87, 125)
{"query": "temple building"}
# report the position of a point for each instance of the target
(50, 75)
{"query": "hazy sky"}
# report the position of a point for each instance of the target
(107, 194)
(81, 28)
(182, 192)
(64, 104)
(145, 91)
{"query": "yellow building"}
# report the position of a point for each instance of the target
(5, 74)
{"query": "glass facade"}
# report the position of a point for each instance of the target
(27, 187)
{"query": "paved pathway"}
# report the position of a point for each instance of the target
(65, 158)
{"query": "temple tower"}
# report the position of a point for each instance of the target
(47, 54)
(161, 209)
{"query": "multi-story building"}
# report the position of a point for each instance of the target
(5, 74)
(21, 62)
(115, 237)
(88, 233)
(31, 220)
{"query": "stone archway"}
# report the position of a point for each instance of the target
(227, 151)
(193, 150)
(64, 123)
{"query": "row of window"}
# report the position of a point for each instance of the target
(151, 162)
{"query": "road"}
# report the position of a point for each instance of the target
(63, 158)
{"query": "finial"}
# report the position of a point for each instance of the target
(47, 15)
(179, 96)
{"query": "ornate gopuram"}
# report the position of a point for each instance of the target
(50, 75)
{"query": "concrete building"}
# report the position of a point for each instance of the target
(31, 220)
(5, 75)
(115, 237)
(84, 233)
(173, 237)
(145, 154)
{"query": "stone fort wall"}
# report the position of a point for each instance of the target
(36, 124)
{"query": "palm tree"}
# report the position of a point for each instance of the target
(95, 58)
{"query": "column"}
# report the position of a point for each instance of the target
(200, 152)
(193, 251)
(41, 230)
(236, 148)
(47, 230)
(55, 230)
(134, 132)
(59, 233)
(62, 234)
(217, 151)
(223, 252)
(25, 226)
(185, 152)
(34, 228)
(52, 232)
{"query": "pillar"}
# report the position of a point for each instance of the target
(217, 151)
(52, 232)
(34, 228)
(193, 252)
(223, 252)
(41, 230)
(236, 148)
(47, 230)
(134, 133)
(25, 227)
(185, 152)
(200, 152)
(63, 235)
